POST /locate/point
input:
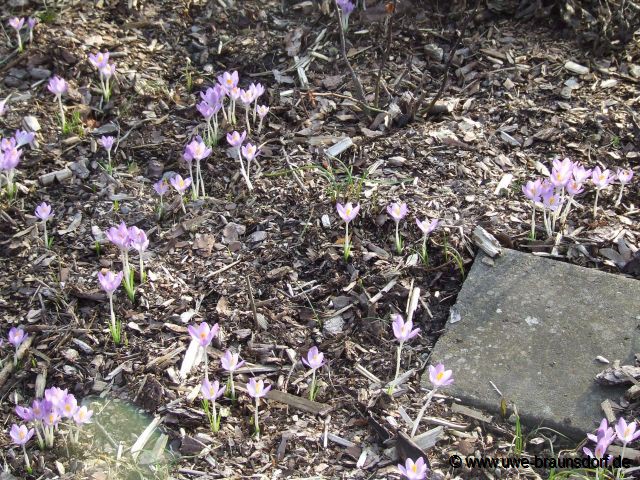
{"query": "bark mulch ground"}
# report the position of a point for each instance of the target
(267, 264)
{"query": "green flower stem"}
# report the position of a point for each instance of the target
(62, 117)
(257, 427)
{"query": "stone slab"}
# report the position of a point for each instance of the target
(534, 327)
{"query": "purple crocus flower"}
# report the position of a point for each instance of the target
(211, 391)
(347, 212)
(397, 211)
(246, 97)
(25, 413)
(206, 110)
(560, 177)
(600, 451)
(57, 86)
(551, 200)
(69, 406)
(82, 416)
(231, 361)
(624, 176)
(315, 358)
(235, 139)
(533, 190)
(574, 188)
(110, 281)
(10, 158)
(180, 184)
(346, 6)
(16, 23)
(257, 389)
(211, 96)
(580, 174)
(109, 70)
(601, 178)
(403, 330)
(228, 80)
(234, 93)
(626, 432)
(52, 417)
(414, 470)
(8, 143)
(20, 434)
(107, 142)
(99, 60)
(440, 377)
(262, 111)
(138, 239)
(43, 211)
(197, 150)
(31, 22)
(249, 151)
(17, 336)
(564, 165)
(24, 138)
(427, 226)
(39, 409)
(119, 236)
(202, 333)
(161, 187)
(55, 396)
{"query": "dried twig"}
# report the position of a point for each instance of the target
(385, 53)
(415, 106)
(343, 47)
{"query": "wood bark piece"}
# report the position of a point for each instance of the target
(633, 393)
(5, 373)
(300, 403)
(486, 242)
(407, 448)
(470, 412)
(618, 375)
(59, 175)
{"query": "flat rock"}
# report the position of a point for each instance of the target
(534, 327)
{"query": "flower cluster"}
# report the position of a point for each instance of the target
(213, 100)
(624, 432)
(17, 24)
(555, 195)
(58, 408)
(397, 211)
(106, 71)
(10, 154)
(126, 239)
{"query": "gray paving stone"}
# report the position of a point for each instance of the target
(534, 326)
